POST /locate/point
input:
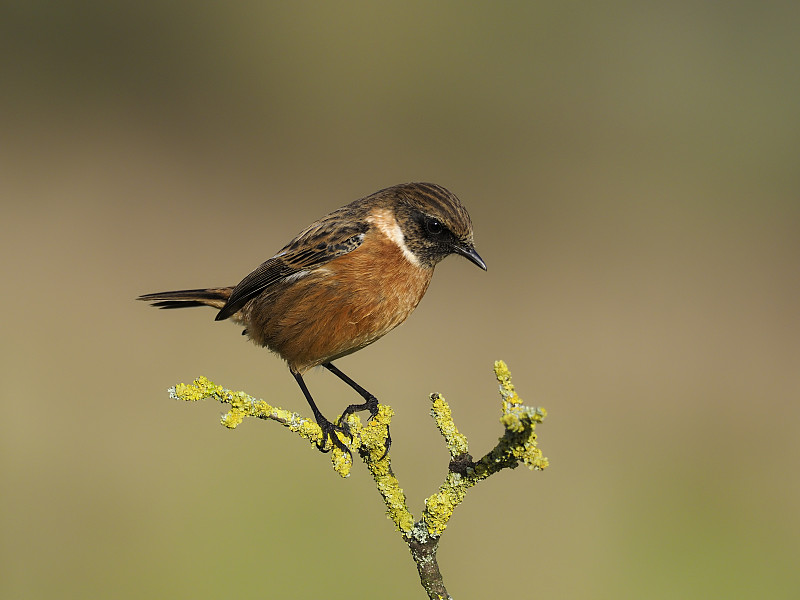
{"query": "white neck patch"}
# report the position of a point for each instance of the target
(386, 223)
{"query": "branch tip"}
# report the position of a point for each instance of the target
(440, 411)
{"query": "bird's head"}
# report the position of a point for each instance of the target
(434, 223)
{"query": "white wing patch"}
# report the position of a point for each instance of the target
(296, 276)
(386, 223)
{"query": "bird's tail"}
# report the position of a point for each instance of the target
(216, 297)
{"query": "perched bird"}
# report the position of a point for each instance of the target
(342, 283)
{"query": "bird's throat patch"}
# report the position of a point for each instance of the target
(386, 223)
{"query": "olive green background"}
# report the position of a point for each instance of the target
(632, 174)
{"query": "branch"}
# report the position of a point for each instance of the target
(516, 446)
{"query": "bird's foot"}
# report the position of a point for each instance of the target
(371, 405)
(330, 432)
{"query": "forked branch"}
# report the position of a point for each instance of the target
(516, 446)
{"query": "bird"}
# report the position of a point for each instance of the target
(341, 284)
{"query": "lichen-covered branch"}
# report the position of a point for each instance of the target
(516, 446)
(243, 405)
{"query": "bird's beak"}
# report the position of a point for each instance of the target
(471, 255)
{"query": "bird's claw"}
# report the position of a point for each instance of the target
(329, 432)
(370, 405)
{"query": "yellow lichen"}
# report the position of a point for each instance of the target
(440, 506)
(199, 389)
(518, 445)
(342, 462)
(456, 442)
(372, 446)
(233, 417)
(374, 434)
(507, 391)
(393, 497)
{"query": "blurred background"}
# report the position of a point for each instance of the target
(632, 174)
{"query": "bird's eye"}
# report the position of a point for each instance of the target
(433, 226)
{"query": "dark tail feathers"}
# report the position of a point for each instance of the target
(216, 297)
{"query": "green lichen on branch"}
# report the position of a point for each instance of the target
(516, 446)
(243, 405)
(369, 440)
(440, 411)
(373, 449)
(520, 422)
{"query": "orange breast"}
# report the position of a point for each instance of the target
(339, 308)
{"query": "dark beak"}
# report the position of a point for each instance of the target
(469, 253)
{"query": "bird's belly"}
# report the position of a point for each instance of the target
(338, 308)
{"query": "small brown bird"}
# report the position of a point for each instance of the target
(342, 283)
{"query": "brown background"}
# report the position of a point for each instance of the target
(632, 172)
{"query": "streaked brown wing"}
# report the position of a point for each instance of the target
(321, 242)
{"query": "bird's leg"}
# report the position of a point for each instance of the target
(328, 429)
(370, 402)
